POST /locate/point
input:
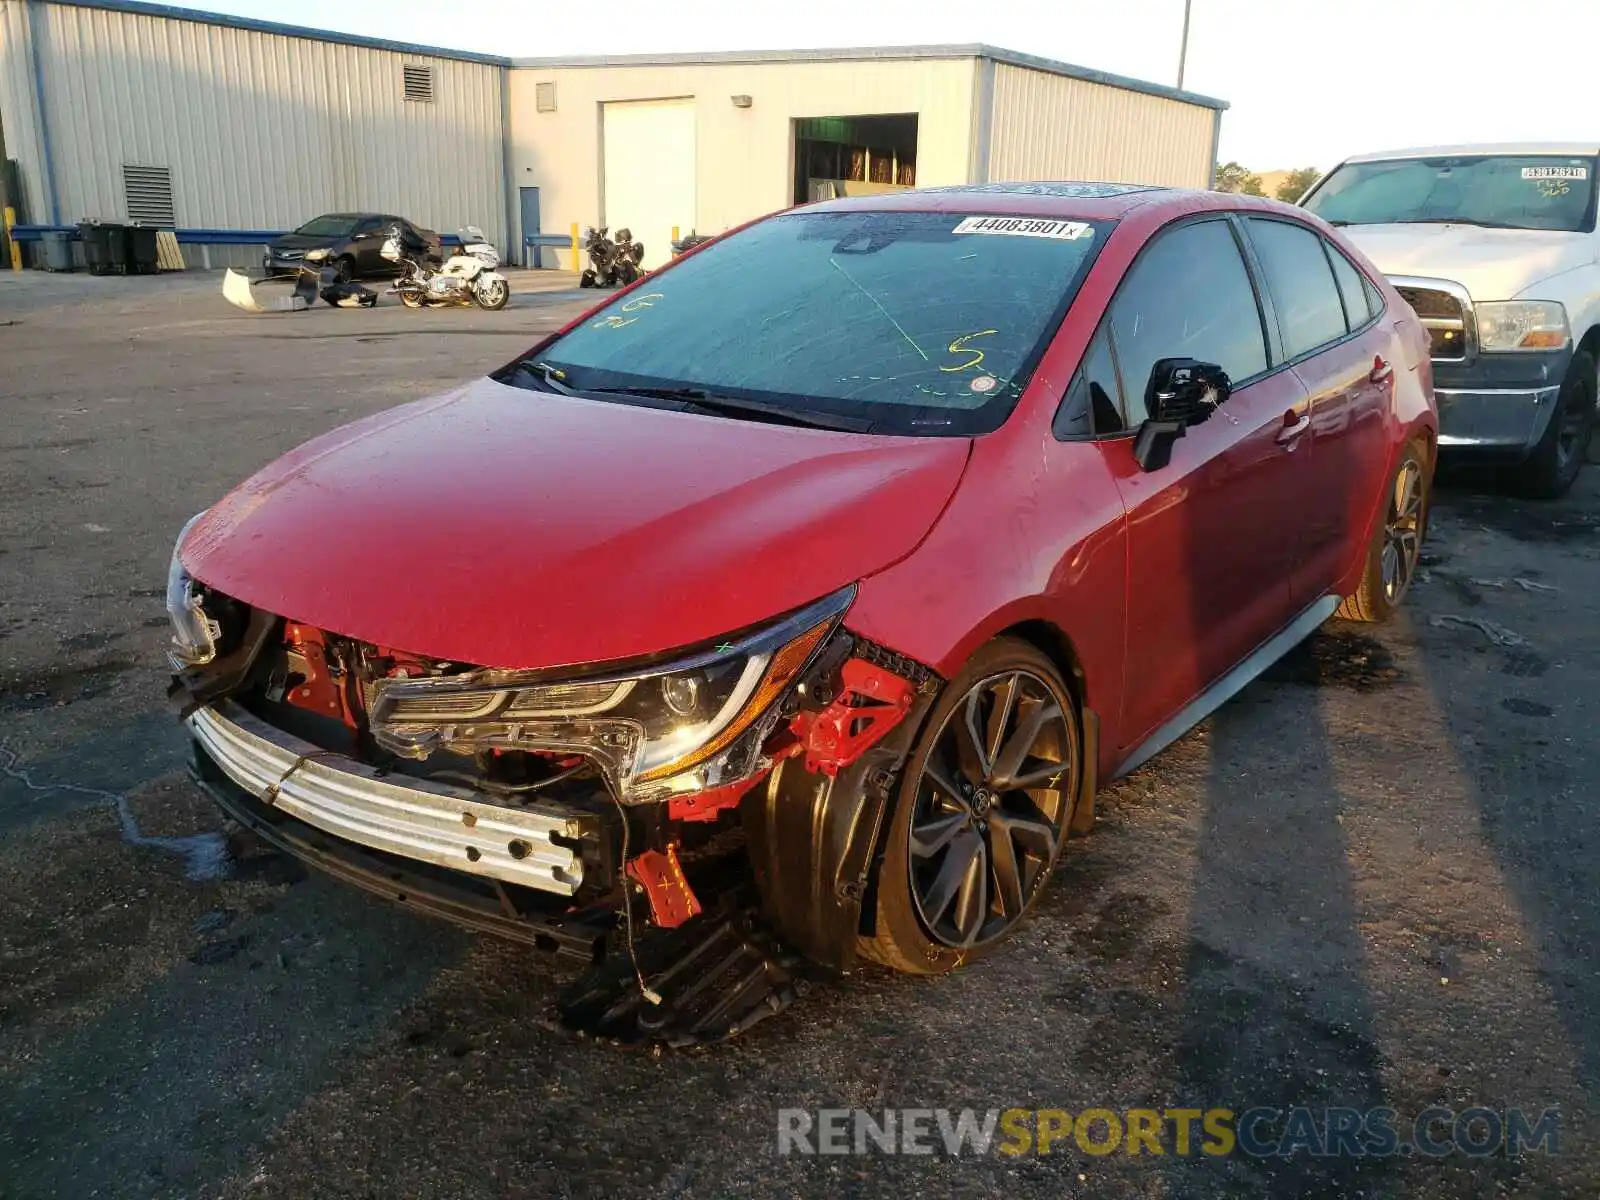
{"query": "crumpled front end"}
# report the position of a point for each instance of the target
(544, 804)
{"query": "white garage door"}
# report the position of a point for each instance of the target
(650, 172)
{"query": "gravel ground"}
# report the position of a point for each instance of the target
(1370, 880)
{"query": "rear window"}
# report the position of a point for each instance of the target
(920, 322)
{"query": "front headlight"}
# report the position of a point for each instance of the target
(1522, 325)
(654, 731)
(317, 255)
(194, 635)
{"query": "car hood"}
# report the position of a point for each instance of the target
(1492, 264)
(510, 528)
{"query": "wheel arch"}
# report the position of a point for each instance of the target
(1590, 344)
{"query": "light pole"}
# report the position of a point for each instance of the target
(1183, 49)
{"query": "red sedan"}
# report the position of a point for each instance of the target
(825, 574)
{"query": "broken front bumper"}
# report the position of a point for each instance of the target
(417, 819)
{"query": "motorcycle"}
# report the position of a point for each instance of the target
(689, 243)
(467, 277)
(611, 263)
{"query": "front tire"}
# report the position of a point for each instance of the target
(1396, 546)
(411, 299)
(981, 815)
(1555, 462)
(493, 295)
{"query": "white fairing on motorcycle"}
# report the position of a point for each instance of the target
(467, 277)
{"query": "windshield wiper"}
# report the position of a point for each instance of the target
(716, 405)
(547, 375)
(1459, 221)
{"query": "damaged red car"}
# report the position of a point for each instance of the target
(787, 610)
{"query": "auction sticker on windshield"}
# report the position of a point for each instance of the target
(1067, 231)
(1548, 173)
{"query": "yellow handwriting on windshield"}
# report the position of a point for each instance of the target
(1554, 187)
(633, 305)
(960, 346)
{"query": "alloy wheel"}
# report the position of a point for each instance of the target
(991, 808)
(1570, 436)
(1402, 532)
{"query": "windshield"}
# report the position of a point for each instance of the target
(902, 322)
(331, 225)
(1500, 191)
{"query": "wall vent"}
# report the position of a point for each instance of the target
(149, 194)
(544, 97)
(419, 83)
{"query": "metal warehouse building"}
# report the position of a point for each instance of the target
(125, 110)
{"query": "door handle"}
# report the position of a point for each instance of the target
(1294, 424)
(1382, 372)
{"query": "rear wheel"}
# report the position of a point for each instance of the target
(982, 812)
(1396, 547)
(1555, 462)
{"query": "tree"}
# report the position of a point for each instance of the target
(1295, 183)
(1231, 177)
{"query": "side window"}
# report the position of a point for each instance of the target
(1187, 296)
(1093, 404)
(367, 225)
(1374, 299)
(1353, 286)
(1301, 282)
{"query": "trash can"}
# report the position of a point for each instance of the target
(57, 245)
(118, 246)
(142, 256)
(96, 246)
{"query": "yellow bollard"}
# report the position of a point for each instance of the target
(674, 235)
(577, 263)
(16, 250)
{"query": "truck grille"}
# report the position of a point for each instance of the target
(1442, 316)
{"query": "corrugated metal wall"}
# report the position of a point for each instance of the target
(260, 131)
(744, 156)
(1051, 127)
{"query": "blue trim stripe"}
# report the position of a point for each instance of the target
(214, 237)
(139, 8)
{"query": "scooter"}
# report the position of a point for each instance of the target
(467, 277)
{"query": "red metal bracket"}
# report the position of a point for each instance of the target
(871, 702)
(711, 803)
(672, 900)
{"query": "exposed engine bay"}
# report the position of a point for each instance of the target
(577, 809)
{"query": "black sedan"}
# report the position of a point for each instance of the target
(354, 242)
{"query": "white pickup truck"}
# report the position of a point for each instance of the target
(1495, 247)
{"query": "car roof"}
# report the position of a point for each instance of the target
(1083, 200)
(1574, 149)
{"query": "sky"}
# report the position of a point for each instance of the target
(1308, 81)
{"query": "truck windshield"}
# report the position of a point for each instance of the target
(926, 323)
(1499, 191)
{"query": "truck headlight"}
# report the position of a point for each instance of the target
(653, 731)
(1510, 325)
(194, 635)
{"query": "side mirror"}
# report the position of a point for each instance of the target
(1181, 392)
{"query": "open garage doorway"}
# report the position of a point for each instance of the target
(853, 156)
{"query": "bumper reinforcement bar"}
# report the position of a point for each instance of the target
(448, 826)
